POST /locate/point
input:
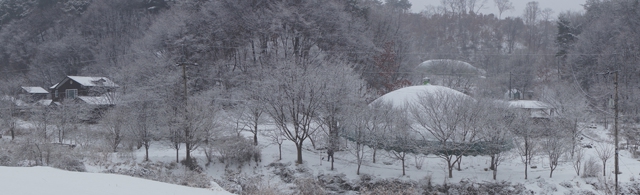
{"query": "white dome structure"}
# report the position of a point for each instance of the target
(454, 74)
(446, 65)
(404, 97)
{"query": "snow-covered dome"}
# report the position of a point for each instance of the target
(447, 66)
(404, 97)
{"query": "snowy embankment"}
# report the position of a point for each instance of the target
(47, 180)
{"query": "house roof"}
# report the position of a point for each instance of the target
(39, 90)
(93, 81)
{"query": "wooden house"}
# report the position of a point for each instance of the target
(33, 94)
(72, 87)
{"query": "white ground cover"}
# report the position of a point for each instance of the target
(47, 180)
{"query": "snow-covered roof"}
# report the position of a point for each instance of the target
(35, 90)
(409, 95)
(529, 104)
(44, 102)
(54, 86)
(93, 81)
(97, 100)
(437, 63)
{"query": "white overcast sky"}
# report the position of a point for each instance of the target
(556, 5)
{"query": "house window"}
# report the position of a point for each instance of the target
(72, 93)
(56, 93)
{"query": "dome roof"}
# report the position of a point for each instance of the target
(403, 97)
(443, 66)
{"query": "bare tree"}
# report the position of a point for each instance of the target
(357, 132)
(342, 93)
(9, 104)
(554, 146)
(297, 92)
(526, 138)
(113, 126)
(65, 118)
(402, 139)
(380, 125)
(252, 114)
(571, 108)
(496, 132)
(503, 6)
(277, 137)
(605, 152)
(142, 124)
(200, 122)
(441, 116)
(577, 159)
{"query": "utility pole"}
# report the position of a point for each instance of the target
(187, 131)
(615, 133)
(616, 110)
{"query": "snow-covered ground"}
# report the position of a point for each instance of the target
(47, 180)
(42, 180)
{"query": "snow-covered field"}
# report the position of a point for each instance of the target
(47, 180)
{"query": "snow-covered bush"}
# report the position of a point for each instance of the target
(566, 184)
(309, 186)
(235, 149)
(591, 168)
(5, 160)
(162, 172)
(630, 188)
(336, 183)
(389, 186)
(282, 170)
(244, 184)
(70, 164)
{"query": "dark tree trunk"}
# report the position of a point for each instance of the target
(403, 173)
(374, 155)
(280, 151)
(255, 138)
(332, 163)
(495, 172)
(492, 165)
(526, 166)
(177, 156)
(299, 152)
(146, 152)
(188, 155)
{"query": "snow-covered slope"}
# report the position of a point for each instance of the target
(46, 180)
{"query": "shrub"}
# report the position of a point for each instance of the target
(234, 149)
(389, 186)
(591, 168)
(70, 164)
(309, 186)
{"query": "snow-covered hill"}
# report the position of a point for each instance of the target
(47, 180)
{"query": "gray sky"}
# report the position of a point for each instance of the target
(556, 5)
